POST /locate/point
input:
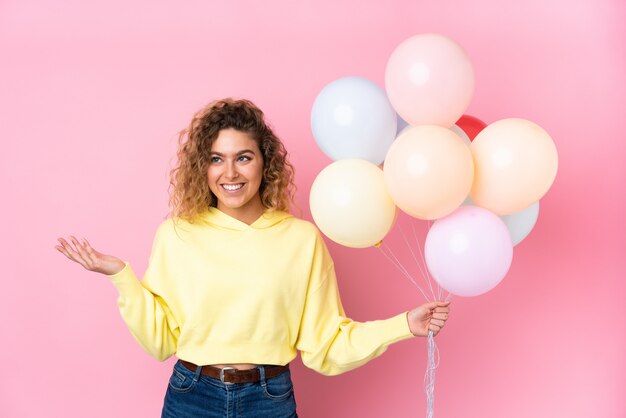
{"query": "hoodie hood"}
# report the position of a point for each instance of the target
(216, 218)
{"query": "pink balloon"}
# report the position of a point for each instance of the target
(469, 251)
(429, 80)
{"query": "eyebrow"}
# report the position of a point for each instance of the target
(239, 153)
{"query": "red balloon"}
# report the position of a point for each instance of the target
(470, 125)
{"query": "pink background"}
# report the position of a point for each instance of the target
(93, 93)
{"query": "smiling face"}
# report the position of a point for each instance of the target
(235, 173)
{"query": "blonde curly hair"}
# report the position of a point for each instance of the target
(190, 194)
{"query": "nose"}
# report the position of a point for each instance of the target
(231, 170)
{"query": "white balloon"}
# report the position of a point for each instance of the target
(352, 118)
(522, 222)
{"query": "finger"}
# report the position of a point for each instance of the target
(82, 252)
(67, 247)
(96, 257)
(62, 250)
(443, 316)
(442, 309)
(437, 322)
(90, 251)
(434, 328)
(430, 305)
(87, 245)
(78, 246)
(71, 253)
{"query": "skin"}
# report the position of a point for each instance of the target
(235, 159)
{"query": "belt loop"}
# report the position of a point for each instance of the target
(262, 371)
(197, 376)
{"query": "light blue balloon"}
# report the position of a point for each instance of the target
(401, 124)
(522, 222)
(352, 118)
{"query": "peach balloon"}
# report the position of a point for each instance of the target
(350, 203)
(429, 80)
(428, 171)
(515, 164)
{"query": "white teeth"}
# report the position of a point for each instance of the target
(232, 187)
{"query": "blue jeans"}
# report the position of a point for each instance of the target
(191, 394)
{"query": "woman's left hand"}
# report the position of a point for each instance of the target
(430, 316)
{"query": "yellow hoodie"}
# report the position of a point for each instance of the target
(221, 291)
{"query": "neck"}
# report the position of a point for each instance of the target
(247, 214)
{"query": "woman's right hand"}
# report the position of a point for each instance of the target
(86, 256)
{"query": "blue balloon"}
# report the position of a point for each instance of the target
(401, 125)
(352, 118)
(520, 223)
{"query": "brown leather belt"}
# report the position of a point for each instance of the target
(231, 375)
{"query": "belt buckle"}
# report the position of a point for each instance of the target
(222, 373)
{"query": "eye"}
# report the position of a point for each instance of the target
(244, 158)
(214, 160)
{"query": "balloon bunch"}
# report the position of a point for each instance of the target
(479, 183)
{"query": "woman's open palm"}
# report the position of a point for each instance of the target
(86, 256)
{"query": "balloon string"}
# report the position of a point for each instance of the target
(421, 253)
(433, 350)
(439, 288)
(399, 266)
(429, 376)
(419, 266)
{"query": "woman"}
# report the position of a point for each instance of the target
(235, 284)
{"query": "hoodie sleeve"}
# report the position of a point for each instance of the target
(330, 342)
(144, 308)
